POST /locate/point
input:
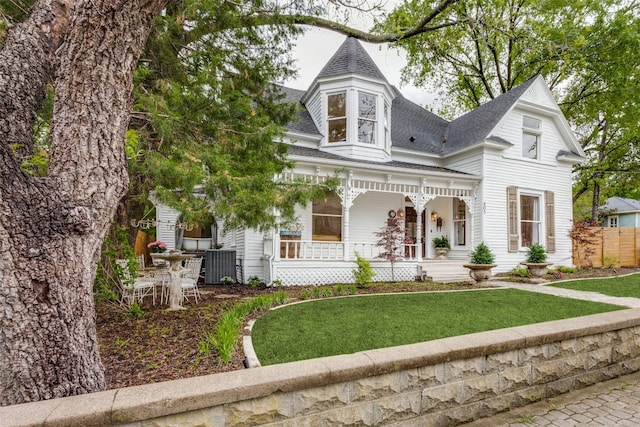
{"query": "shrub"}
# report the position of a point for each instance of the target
(564, 269)
(135, 310)
(536, 254)
(610, 261)
(482, 255)
(227, 280)
(520, 272)
(364, 274)
(254, 281)
(441, 242)
(306, 294)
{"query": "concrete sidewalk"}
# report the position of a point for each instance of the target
(611, 403)
(569, 293)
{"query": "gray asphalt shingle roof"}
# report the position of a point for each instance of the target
(412, 126)
(477, 124)
(305, 123)
(620, 204)
(351, 58)
(317, 154)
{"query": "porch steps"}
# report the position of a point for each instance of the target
(445, 270)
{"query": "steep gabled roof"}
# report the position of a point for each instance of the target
(476, 124)
(351, 58)
(620, 204)
(305, 123)
(414, 127)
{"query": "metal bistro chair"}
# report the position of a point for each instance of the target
(188, 281)
(133, 288)
(190, 277)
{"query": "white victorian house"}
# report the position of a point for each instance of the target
(499, 174)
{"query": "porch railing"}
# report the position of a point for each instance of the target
(316, 250)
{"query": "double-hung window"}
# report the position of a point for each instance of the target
(529, 220)
(460, 223)
(327, 218)
(366, 118)
(530, 137)
(337, 117)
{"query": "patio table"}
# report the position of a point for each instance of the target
(175, 267)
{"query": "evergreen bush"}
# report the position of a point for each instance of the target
(364, 273)
(536, 254)
(482, 255)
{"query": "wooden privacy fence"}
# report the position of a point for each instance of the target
(607, 247)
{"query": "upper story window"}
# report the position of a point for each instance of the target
(366, 118)
(530, 137)
(337, 117)
(387, 133)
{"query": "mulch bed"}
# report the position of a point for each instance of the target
(164, 345)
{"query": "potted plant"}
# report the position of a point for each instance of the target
(536, 260)
(441, 245)
(481, 261)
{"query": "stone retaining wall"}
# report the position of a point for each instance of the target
(437, 383)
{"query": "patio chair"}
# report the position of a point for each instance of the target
(190, 277)
(188, 281)
(133, 288)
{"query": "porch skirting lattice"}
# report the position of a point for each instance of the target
(325, 273)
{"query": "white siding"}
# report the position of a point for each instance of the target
(533, 177)
(315, 108)
(369, 214)
(252, 263)
(540, 95)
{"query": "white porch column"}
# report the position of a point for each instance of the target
(346, 206)
(419, 210)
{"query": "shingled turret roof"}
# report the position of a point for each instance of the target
(351, 58)
(413, 127)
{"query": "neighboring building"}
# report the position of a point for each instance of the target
(620, 212)
(499, 174)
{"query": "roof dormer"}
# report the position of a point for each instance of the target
(350, 103)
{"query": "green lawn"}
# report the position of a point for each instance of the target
(621, 286)
(346, 325)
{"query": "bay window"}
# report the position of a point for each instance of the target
(337, 117)
(366, 118)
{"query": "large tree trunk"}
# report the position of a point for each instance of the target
(51, 228)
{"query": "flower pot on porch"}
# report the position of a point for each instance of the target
(480, 272)
(537, 269)
(442, 252)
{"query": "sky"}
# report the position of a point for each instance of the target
(317, 46)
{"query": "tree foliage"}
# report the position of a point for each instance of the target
(202, 113)
(391, 239)
(586, 51)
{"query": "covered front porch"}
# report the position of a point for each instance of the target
(303, 272)
(322, 246)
